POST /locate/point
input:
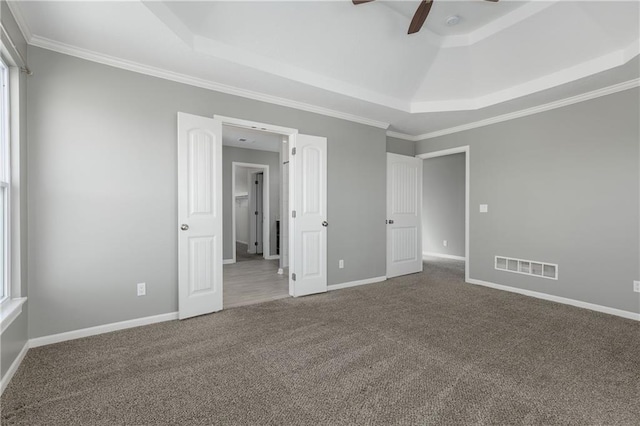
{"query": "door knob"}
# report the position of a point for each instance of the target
(390, 221)
(325, 223)
(184, 227)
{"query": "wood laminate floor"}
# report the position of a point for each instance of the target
(242, 255)
(253, 281)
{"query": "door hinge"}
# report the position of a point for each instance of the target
(256, 182)
(293, 276)
(293, 214)
(293, 151)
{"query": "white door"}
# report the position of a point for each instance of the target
(404, 199)
(199, 215)
(308, 205)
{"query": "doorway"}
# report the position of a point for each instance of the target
(445, 220)
(251, 206)
(251, 274)
(203, 226)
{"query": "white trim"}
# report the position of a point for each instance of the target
(19, 18)
(242, 242)
(536, 85)
(404, 136)
(17, 187)
(272, 257)
(6, 379)
(442, 153)
(467, 191)
(254, 125)
(356, 283)
(100, 329)
(11, 309)
(594, 94)
(559, 299)
(218, 87)
(568, 75)
(6, 152)
(89, 55)
(228, 261)
(444, 256)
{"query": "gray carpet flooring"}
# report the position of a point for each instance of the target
(420, 349)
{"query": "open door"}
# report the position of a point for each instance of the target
(308, 205)
(404, 211)
(199, 215)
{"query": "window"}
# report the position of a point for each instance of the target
(4, 182)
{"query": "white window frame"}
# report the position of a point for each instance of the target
(11, 304)
(5, 181)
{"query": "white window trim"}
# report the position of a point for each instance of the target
(11, 305)
(5, 173)
(11, 309)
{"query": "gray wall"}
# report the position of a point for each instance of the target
(15, 336)
(102, 170)
(563, 187)
(443, 198)
(401, 146)
(241, 155)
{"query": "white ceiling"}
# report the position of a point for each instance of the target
(358, 61)
(254, 139)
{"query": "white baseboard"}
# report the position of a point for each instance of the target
(242, 242)
(13, 368)
(272, 257)
(356, 283)
(228, 261)
(558, 299)
(100, 329)
(444, 256)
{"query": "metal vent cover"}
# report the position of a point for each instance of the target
(527, 267)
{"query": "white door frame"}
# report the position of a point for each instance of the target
(466, 150)
(285, 131)
(266, 240)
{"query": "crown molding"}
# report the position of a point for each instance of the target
(567, 75)
(623, 56)
(217, 49)
(630, 84)
(22, 23)
(90, 55)
(403, 136)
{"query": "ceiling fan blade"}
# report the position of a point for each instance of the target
(420, 16)
(357, 2)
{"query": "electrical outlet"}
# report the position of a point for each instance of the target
(484, 208)
(341, 263)
(142, 289)
(444, 243)
(636, 286)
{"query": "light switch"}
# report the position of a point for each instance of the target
(484, 208)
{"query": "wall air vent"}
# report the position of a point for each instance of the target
(527, 267)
